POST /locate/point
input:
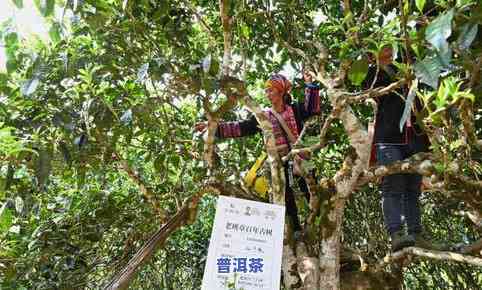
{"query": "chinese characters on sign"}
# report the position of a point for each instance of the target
(246, 246)
(239, 265)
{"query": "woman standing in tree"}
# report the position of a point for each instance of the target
(393, 142)
(293, 115)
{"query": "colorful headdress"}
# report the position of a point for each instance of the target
(280, 82)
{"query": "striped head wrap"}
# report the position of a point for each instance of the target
(280, 82)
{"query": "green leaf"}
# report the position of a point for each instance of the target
(462, 3)
(408, 104)
(420, 5)
(11, 65)
(406, 7)
(18, 3)
(456, 144)
(3, 83)
(309, 141)
(439, 168)
(11, 39)
(6, 218)
(428, 71)
(46, 7)
(466, 95)
(55, 32)
(214, 67)
(441, 98)
(467, 35)
(439, 30)
(30, 86)
(245, 31)
(358, 71)
(444, 56)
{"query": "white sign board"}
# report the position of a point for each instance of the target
(246, 246)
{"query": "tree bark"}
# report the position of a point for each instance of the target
(333, 209)
(226, 21)
(123, 278)
(330, 246)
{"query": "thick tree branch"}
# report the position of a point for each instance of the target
(289, 266)
(467, 183)
(357, 134)
(475, 217)
(276, 166)
(209, 136)
(436, 255)
(346, 7)
(419, 163)
(307, 267)
(186, 215)
(332, 216)
(364, 15)
(226, 20)
(476, 72)
(345, 99)
(403, 24)
(472, 248)
(467, 116)
(375, 92)
(466, 189)
(229, 189)
(232, 88)
(319, 145)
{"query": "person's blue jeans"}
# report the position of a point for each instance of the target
(400, 191)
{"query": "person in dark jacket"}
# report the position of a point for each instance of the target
(400, 191)
(277, 89)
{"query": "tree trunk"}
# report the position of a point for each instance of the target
(330, 244)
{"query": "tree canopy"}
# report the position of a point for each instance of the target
(100, 167)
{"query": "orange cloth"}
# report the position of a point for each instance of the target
(279, 82)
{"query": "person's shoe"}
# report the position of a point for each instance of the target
(400, 241)
(423, 240)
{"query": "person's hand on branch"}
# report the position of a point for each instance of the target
(307, 77)
(200, 126)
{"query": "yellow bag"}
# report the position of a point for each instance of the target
(258, 183)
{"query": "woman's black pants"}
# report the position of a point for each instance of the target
(290, 202)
